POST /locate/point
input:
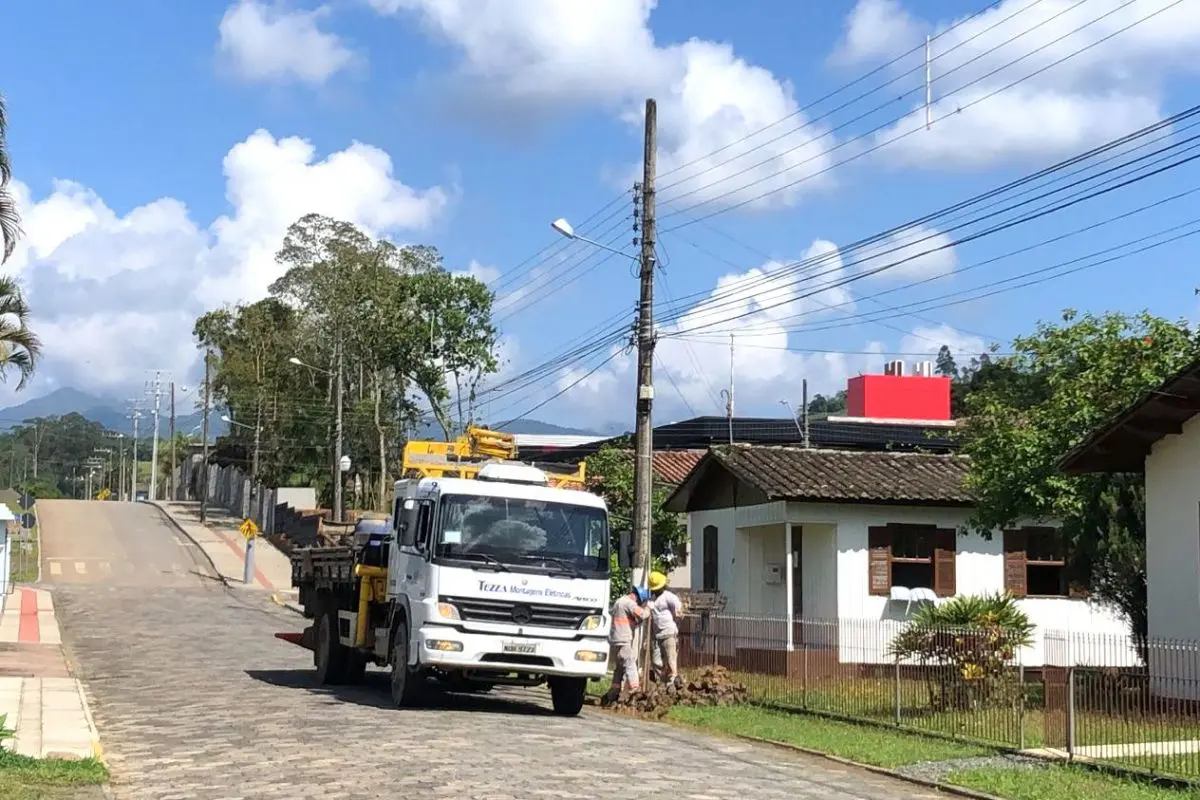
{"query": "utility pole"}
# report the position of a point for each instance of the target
(804, 409)
(643, 465)
(37, 444)
(135, 416)
(153, 493)
(204, 428)
(121, 480)
(644, 429)
(171, 433)
(337, 445)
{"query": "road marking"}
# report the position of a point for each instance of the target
(80, 567)
(55, 568)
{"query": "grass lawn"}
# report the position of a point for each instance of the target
(864, 744)
(1016, 726)
(1061, 783)
(23, 778)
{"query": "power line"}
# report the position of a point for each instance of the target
(811, 104)
(878, 146)
(864, 95)
(1027, 217)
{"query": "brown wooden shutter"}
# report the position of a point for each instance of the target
(945, 556)
(879, 570)
(1015, 575)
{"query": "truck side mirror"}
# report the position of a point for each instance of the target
(625, 549)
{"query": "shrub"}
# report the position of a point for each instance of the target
(967, 645)
(5, 731)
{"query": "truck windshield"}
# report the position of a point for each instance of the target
(517, 532)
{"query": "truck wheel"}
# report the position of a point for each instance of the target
(567, 695)
(406, 682)
(330, 655)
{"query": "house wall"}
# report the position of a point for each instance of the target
(835, 577)
(1173, 558)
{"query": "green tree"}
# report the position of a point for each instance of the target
(830, 405)
(946, 365)
(610, 471)
(10, 218)
(1059, 385)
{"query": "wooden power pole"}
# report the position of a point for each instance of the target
(171, 433)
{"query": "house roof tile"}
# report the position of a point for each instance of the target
(847, 476)
(673, 466)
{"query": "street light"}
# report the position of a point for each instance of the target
(563, 227)
(225, 418)
(336, 375)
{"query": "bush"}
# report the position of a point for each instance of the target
(967, 644)
(5, 731)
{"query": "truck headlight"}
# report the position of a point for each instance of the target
(594, 656)
(444, 645)
(448, 611)
(592, 623)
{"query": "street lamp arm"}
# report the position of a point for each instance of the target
(564, 228)
(297, 362)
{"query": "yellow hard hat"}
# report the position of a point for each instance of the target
(657, 581)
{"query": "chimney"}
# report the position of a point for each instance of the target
(894, 368)
(924, 369)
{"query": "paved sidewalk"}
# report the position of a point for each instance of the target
(221, 541)
(39, 697)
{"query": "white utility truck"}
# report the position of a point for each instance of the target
(488, 572)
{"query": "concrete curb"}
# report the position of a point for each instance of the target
(795, 748)
(183, 531)
(941, 787)
(97, 748)
(289, 605)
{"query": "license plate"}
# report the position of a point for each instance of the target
(520, 648)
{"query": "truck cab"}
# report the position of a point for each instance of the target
(499, 579)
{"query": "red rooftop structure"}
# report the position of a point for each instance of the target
(896, 396)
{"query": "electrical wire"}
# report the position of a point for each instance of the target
(880, 107)
(1114, 184)
(878, 146)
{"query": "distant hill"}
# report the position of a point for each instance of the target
(113, 416)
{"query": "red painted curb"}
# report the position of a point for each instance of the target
(28, 631)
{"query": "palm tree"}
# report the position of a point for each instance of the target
(10, 220)
(19, 346)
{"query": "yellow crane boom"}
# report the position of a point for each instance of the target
(466, 455)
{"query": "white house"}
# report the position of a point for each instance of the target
(1159, 436)
(838, 546)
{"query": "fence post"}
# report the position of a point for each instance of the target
(1071, 713)
(896, 692)
(804, 677)
(1021, 704)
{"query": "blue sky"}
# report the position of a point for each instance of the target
(161, 149)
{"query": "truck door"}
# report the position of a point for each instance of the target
(409, 563)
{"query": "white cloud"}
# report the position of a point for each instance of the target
(544, 56)
(1119, 56)
(262, 41)
(928, 338)
(114, 295)
(876, 29)
(911, 254)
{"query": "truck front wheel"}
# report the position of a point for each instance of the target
(406, 682)
(567, 695)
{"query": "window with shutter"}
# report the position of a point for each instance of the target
(1015, 579)
(945, 563)
(879, 560)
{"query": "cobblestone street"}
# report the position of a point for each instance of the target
(194, 698)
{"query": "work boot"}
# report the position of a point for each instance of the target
(610, 697)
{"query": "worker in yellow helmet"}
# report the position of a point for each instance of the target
(665, 607)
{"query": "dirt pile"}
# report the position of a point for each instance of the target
(708, 686)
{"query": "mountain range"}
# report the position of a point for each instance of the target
(112, 414)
